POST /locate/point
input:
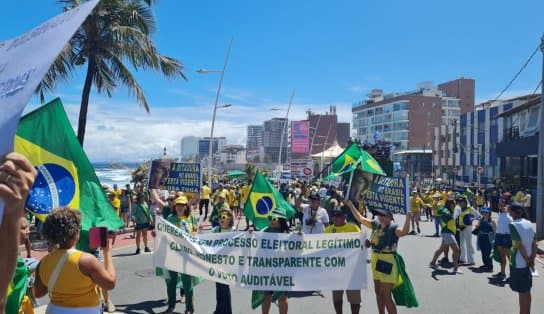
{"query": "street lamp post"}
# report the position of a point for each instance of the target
(284, 129)
(205, 71)
(540, 160)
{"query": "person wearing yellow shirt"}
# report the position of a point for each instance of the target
(436, 205)
(340, 226)
(115, 203)
(415, 207)
(205, 192)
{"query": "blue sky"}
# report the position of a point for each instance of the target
(331, 52)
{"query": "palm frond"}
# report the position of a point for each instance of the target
(126, 78)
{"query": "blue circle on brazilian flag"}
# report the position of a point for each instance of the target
(264, 205)
(54, 187)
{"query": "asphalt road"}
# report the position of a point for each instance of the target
(438, 291)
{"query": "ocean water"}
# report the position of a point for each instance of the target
(114, 173)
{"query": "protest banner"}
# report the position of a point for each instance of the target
(300, 137)
(24, 61)
(302, 169)
(389, 193)
(265, 261)
(175, 176)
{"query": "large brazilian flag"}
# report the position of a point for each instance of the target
(350, 158)
(262, 200)
(65, 177)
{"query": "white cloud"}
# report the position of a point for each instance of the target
(123, 131)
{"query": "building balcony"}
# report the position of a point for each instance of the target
(515, 146)
(510, 134)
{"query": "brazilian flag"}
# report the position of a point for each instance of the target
(352, 156)
(65, 177)
(17, 287)
(262, 200)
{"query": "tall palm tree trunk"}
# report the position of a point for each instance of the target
(82, 122)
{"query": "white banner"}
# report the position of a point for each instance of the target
(265, 261)
(23, 63)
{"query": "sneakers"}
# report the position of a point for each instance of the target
(169, 310)
(412, 232)
(433, 265)
(147, 250)
(138, 251)
(418, 230)
(109, 307)
(499, 275)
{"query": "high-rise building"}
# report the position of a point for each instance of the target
(343, 132)
(272, 139)
(204, 145)
(323, 130)
(462, 89)
(189, 147)
(255, 142)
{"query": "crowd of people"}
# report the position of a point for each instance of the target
(320, 208)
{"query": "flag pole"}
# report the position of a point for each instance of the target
(351, 179)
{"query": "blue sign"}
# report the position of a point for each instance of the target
(175, 176)
(390, 193)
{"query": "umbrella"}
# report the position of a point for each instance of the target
(236, 174)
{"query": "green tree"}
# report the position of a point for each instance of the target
(113, 40)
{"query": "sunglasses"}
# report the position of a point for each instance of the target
(275, 219)
(225, 217)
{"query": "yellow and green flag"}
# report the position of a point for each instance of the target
(348, 160)
(263, 199)
(65, 177)
(17, 287)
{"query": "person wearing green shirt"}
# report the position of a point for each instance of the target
(142, 218)
(449, 229)
(219, 205)
(183, 219)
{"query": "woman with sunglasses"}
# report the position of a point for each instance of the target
(181, 218)
(222, 291)
(278, 224)
(384, 259)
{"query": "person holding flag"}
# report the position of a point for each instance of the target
(390, 277)
(219, 205)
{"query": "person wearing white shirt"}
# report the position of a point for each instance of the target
(314, 217)
(465, 219)
(522, 257)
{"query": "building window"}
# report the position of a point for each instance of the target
(388, 108)
(401, 106)
(378, 110)
(370, 112)
(400, 126)
(401, 115)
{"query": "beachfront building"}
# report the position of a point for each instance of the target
(518, 147)
(480, 133)
(408, 119)
(274, 129)
(204, 145)
(189, 147)
(255, 142)
(233, 155)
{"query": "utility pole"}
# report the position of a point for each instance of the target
(540, 160)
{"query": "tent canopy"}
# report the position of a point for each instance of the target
(330, 152)
(236, 174)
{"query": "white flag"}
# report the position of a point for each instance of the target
(24, 61)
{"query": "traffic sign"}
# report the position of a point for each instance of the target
(480, 169)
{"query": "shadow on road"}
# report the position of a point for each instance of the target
(124, 254)
(142, 307)
(498, 281)
(441, 272)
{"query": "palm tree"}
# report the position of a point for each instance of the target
(117, 32)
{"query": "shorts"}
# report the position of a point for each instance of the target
(139, 227)
(521, 279)
(124, 209)
(379, 276)
(503, 240)
(448, 239)
(416, 214)
(354, 296)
